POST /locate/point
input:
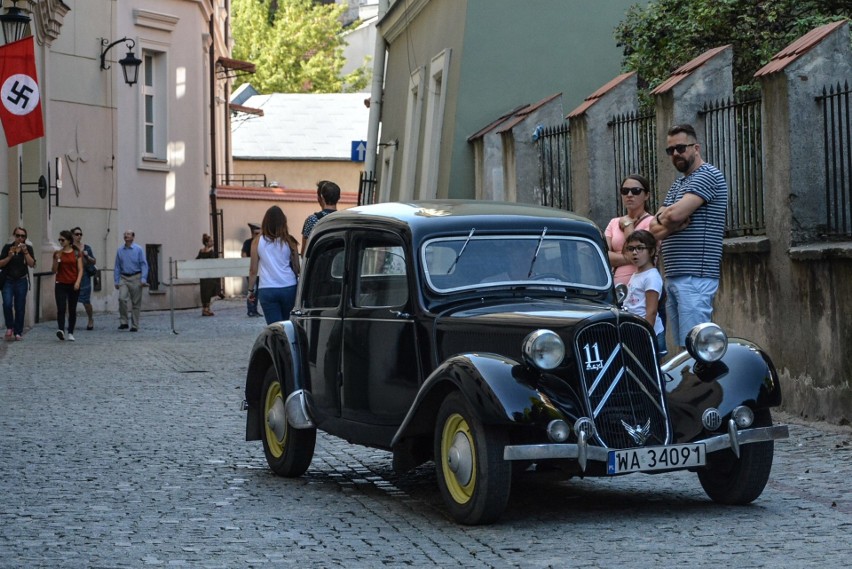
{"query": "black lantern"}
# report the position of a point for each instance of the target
(16, 24)
(129, 63)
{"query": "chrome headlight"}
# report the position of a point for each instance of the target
(707, 342)
(543, 349)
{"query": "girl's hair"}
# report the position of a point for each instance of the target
(73, 229)
(205, 238)
(646, 238)
(274, 227)
(646, 185)
(69, 238)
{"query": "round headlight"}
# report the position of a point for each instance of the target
(707, 342)
(543, 349)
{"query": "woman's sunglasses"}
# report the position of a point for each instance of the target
(634, 191)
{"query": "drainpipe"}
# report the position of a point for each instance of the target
(376, 93)
(213, 165)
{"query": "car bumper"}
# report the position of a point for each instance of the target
(584, 452)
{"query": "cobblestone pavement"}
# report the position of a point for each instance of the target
(127, 450)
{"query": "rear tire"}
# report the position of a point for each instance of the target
(736, 481)
(474, 479)
(290, 451)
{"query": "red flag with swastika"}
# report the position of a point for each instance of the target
(20, 98)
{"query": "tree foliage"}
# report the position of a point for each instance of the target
(296, 45)
(663, 35)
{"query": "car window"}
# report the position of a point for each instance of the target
(457, 263)
(324, 285)
(381, 276)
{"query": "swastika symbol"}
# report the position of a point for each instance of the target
(19, 94)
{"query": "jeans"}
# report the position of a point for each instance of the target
(15, 303)
(277, 302)
(66, 299)
(690, 302)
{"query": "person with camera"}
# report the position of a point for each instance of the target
(16, 259)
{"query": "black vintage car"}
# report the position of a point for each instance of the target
(487, 337)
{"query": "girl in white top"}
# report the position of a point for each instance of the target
(274, 258)
(646, 284)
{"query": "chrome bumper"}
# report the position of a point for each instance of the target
(584, 452)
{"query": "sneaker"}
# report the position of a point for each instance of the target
(134, 329)
(70, 337)
(60, 334)
(123, 327)
(9, 334)
(18, 337)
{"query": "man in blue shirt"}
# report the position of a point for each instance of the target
(131, 274)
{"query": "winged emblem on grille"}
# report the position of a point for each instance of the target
(637, 433)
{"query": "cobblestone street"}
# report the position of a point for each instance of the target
(128, 450)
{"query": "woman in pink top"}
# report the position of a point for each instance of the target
(635, 193)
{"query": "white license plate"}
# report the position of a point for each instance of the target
(648, 459)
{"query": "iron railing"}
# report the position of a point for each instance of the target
(367, 188)
(837, 141)
(554, 147)
(243, 180)
(634, 151)
(733, 143)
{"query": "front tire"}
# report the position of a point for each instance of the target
(288, 451)
(474, 479)
(736, 481)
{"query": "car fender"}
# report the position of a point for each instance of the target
(276, 346)
(744, 376)
(493, 386)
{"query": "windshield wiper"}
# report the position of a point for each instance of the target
(537, 249)
(461, 251)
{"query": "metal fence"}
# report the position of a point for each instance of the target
(367, 188)
(634, 151)
(837, 139)
(242, 180)
(733, 143)
(554, 146)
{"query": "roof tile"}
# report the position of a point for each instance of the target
(799, 47)
(688, 68)
(593, 98)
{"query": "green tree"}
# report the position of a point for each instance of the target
(297, 46)
(664, 34)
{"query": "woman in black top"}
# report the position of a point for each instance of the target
(16, 259)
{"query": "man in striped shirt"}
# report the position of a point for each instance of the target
(691, 225)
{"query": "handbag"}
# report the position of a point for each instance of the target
(91, 270)
(2, 278)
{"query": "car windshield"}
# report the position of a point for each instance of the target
(545, 261)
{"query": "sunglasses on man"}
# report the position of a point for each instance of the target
(679, 148)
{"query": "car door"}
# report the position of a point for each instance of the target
(320, 318)
(380, 370)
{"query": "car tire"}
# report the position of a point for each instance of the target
(736, 481)
(291, 454)
(476, 482)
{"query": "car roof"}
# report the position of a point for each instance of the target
(422, 219)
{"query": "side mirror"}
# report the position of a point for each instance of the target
(620, 293)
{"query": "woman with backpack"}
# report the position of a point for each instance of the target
(68, 267)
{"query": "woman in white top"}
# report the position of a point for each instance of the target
(275, 259)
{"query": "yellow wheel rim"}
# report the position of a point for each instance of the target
(458, 458)
(275, 445)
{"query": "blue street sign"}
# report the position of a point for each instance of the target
(359, 150)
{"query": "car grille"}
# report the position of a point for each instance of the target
(623, 388)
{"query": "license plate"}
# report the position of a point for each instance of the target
(648, 459)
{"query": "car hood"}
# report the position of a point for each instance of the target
(500, 327)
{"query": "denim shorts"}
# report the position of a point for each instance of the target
(690, 302)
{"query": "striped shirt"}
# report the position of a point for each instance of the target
(697, 250)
